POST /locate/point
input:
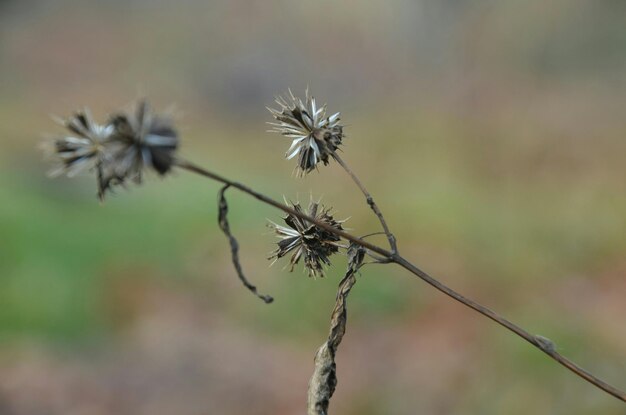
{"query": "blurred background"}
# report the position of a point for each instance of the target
(492, 135)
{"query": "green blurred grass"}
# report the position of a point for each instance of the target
(57, 248)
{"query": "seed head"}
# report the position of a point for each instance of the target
(82, 148)
(305, 239)
(314, 136)
(142, 139)
(118, 150)
(85, 148)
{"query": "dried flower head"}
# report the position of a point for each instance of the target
(84, 148)
(142, 139)
(305, 239)
(314, 136)
(118, 150)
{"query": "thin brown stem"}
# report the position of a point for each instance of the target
(370, 201)
(222, 220)
(539, 342)
(543, 344)
(186, 165)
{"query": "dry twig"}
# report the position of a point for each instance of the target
(370, 201)
(324, 380)
(222, 220)
(404, 263)
(130, 144)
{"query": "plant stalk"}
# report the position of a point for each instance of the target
(370, 201)
(541, 343)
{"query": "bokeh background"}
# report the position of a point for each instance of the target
(492, 134)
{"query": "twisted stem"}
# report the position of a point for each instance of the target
(541, 343)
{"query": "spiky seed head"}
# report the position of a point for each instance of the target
(82, 148)
(307, 241)
(142, 139)
(118, 150)
(315, 137)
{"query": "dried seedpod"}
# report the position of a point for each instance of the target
(117, 151)
(142, 139)
(306, 240)
(315, 137)
(86, 147)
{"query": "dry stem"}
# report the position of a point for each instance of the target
(539, 342)
(370, 202)
(324, 379)
(222, 221)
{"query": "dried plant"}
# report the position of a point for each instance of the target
(324, 380)
(142, 139)
(130, 143)
(119, 150)
(84, 148)
(222, 220)
(305, 239)
(315, 137)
